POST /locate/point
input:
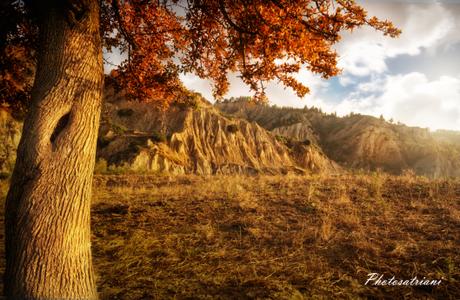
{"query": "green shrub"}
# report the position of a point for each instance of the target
(118, 129)
(101, 166)
(281, 139)
(158, 137)
(118, 170)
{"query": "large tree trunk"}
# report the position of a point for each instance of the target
(48, 246)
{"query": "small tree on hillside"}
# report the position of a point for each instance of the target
(60, 44)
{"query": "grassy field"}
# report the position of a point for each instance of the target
(274, 237)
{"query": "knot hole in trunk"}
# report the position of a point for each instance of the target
(61, 124)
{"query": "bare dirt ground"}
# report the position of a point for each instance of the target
(273, 237)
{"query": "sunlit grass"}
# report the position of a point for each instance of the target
(278, 237)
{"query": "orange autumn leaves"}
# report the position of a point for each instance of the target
(151, 35)
(260, 40)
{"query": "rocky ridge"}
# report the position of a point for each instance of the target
(358, 141)
(248, 138)
(197, 139)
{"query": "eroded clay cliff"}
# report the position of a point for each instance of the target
(197, 139)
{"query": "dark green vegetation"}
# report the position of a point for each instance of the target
(290, 237)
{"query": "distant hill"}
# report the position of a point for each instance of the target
(447, 136)
(358, 141)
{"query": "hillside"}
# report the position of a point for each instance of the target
(357, 141)
(196, 138)
(189, 137)
(234, 137)
(448, 136)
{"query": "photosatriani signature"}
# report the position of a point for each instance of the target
(377, 279)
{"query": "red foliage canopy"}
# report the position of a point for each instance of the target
(261, 40)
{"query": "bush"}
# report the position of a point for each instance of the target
(119, 129)
(101, 166)
(232, 128)
(158, 137)
(306, 142)
(189, 100)
(281, 139)
(119, 170)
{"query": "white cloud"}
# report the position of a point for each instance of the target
(363, 58)
(346, 80)
(282, 96)
(418, 99)
(410, 98)
(113, 59)
(429, 27)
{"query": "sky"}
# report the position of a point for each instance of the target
(414, 79)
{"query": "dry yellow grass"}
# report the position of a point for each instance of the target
(274, 237)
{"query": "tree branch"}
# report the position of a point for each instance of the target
(124, 32)
(230, 21)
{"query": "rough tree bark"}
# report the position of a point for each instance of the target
(48, 246)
